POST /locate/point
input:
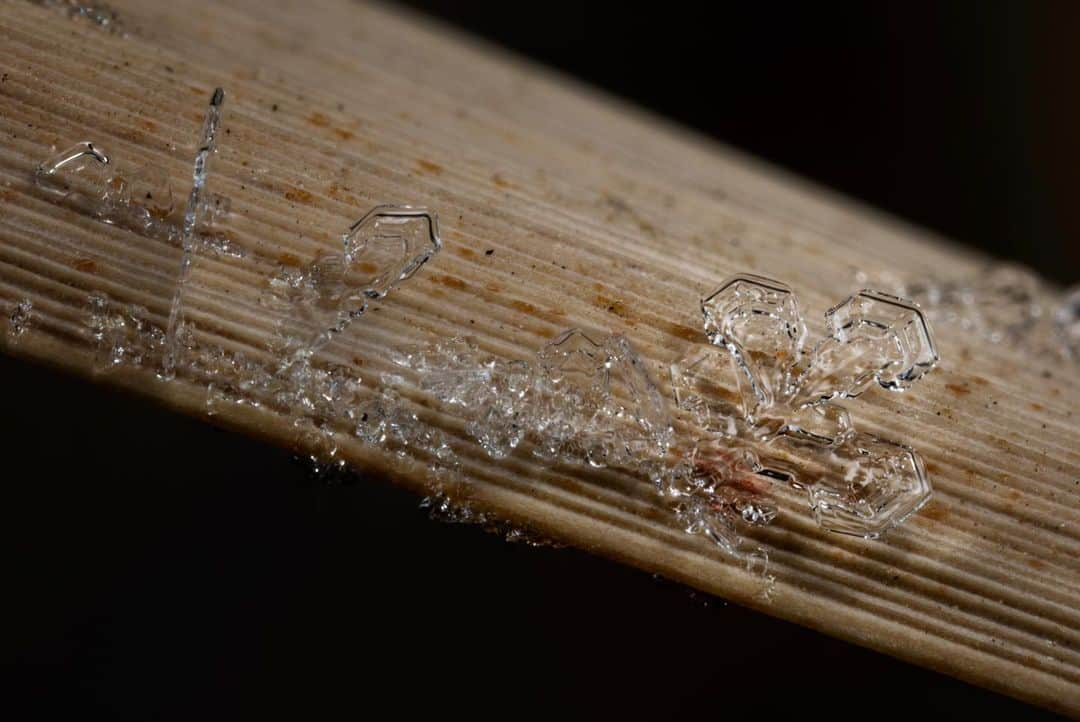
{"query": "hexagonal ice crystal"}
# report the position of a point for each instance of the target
(875, 484)
(388, 245)
(758, 321)
(875, 337)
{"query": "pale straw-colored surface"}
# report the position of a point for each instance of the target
(599, 217)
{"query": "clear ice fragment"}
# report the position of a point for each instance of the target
(875, 337)
(705, 386)
(821, 424)
(200, 170)
(597, 401)
(387, 246)
(21, 318)
(874, 484)
(758, 321)
(382, 249)
(96, 13)
(1067, 321)
(81, 176)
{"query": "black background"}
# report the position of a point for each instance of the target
(161, 569)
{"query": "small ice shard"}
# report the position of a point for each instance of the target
(1005, 303)
(713, 488)
(597, 401)
(86, 179)
(1008, 302)
(21, 318)
(874, 484)
(821, 424)
(758, 321)
(200, 171)
(96, 13)
(495, 394)
(122, 334)
(575, 362)
(705, 387)
(382, 249)
(875, 337)
(82, 177)
(388, 245)
(629, 380)
(1067, 320)
(507, 411)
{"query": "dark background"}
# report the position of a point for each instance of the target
(161, 569)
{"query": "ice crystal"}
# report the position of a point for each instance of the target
(580, 399)
(20, 319)
(777, 395)
(379, 251)
(192, 212)
(1004, 303)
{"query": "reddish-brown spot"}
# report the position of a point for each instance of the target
(523, 307)
(318, 119)
(289, 259)
(344, 134)
(86, 265)
(367, 267)
(980, 380)
(500, 182)
(1036, 563)
(428, 167)
(493, 287)
(958, 390)
(937, 512)
(452, 282)
(358, 361)
(611, 305)
(466, 252)
(7, 195)
(298, 195)
(1037, 407)
(150, 125)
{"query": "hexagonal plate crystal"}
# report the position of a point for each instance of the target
(875, 485)
(875, 337)
(758, 321)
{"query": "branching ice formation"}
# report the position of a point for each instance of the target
(784, 404)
